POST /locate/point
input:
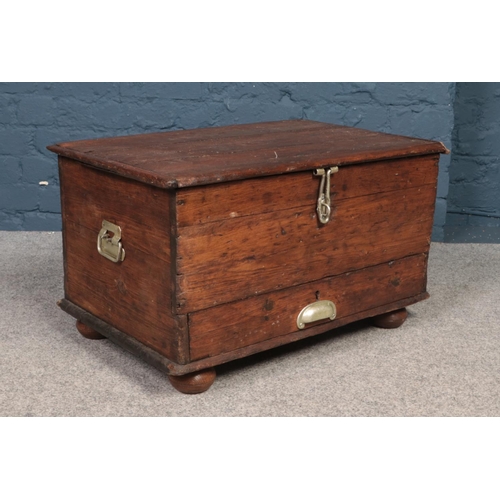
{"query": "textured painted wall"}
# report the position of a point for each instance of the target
(34, 115)
(474, 196)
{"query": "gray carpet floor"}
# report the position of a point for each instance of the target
(444, 361)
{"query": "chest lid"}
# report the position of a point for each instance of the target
(185, 158)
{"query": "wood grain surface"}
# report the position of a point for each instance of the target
(236, 152)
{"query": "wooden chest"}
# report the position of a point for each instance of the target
(194, 248)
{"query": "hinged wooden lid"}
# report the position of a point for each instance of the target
(211, 155)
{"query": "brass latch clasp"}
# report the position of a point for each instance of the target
(323, 208)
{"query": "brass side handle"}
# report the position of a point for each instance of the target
(110, 246)
(321, 309)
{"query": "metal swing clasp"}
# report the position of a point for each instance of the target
(323, 208)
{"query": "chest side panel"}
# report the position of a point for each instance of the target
(373, 221)
(135, 295)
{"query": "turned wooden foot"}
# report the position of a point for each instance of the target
(88, 332)
(391, 319)
(193, 383)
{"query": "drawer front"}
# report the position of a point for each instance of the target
(232, 326)
(246, 255)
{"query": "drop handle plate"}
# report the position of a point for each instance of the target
(110, 246)
(321, 309)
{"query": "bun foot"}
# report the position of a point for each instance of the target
(87, 332)
(392, 319)
(193, 383)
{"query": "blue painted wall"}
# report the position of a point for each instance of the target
(474, 193)
(34, 115)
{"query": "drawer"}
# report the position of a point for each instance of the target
(228, 327)
(238, 240)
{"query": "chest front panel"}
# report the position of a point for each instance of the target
(241, 239)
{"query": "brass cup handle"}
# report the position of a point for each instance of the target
(322, 309)
(110, 247)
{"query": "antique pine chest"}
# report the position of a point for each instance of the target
(193, 248)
